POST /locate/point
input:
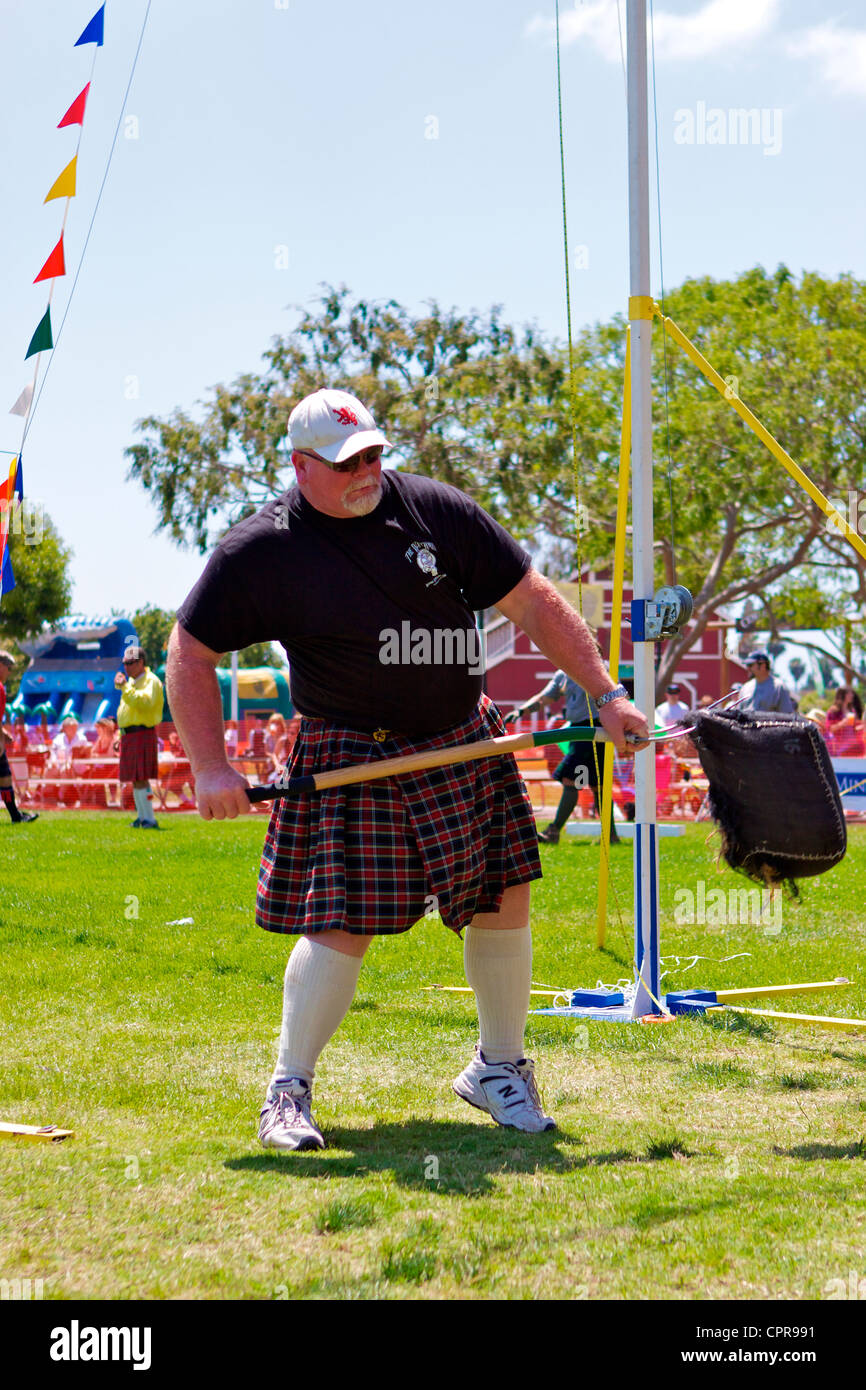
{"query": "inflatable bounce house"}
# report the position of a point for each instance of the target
(261, 690)
(72, 670)
(73, 666)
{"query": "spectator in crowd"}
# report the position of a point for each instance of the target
(578, 768)
(819, 717)
(672, 710)
(103, 762)
(180, 779)
(231, 738)
(68, 747)
(764, 691)
(276, 732)
(69, 743)
(843, 728)
(7, 792)
(258, 737)
(19, 743)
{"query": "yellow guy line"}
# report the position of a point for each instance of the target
(763, 434)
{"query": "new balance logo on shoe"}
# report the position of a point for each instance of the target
(506, 1091)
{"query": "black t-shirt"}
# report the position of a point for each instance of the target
(376, 613)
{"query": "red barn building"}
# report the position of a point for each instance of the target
(516, 668)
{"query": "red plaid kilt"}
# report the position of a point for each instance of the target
(139, 760)
(369, 858)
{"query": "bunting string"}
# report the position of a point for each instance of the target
(43, 339)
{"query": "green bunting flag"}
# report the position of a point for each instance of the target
(42, 339)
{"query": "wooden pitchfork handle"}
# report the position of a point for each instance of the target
(436, 757)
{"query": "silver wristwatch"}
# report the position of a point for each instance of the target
(619, 692)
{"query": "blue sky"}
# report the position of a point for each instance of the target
(274, 124)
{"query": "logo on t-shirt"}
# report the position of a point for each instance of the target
(424, 555)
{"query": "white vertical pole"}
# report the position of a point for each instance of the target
(234, 706)
(645, 842)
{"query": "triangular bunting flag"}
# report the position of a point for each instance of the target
(42, 338)
(9, 488)
(19, 480)
(7, 578)
(75, 114)
(22, 405)
(95, 31)
(64, 184)
(54, 266)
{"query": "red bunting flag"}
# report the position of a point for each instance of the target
(75, 114)
(55, 266)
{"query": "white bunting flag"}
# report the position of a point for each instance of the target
(22, 405)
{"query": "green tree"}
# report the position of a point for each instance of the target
(153, 626)
(433, 380)
(259, 654)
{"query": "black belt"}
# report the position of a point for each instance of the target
(136, 728)
(380, 735)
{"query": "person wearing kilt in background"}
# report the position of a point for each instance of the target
(7, 791)
(139, 712)
(368, 579)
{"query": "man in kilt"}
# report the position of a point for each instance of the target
(139, 712)
(362, 576)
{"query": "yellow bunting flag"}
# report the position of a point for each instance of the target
(64, 184)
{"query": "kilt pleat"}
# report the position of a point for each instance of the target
(139, 756)
(373, 858)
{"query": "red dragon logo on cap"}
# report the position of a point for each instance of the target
(345, 416)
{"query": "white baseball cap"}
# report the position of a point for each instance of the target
(334, 424)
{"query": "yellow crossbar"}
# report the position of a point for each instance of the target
(730, 996)
(849, 1025)
(763, 434)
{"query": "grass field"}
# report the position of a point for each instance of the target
(699, 1159)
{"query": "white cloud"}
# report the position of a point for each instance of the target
(719, 26)
(840, 54)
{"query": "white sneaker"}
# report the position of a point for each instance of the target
(286, 1122)
(506, 1090)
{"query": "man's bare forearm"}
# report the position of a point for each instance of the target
(195, 700)
(558, 631)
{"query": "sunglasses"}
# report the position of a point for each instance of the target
(366, 456)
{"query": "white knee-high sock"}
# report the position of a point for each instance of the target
(319, 987)
(498, 966)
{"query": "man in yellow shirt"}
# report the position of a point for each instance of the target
(139, 712)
